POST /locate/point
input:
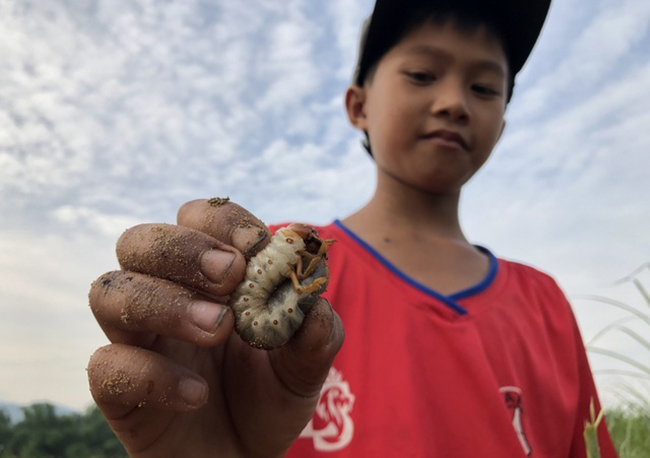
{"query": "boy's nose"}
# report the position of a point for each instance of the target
(451, 102)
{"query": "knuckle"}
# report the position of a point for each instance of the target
(127, 300)
(175, 253)
(226, 221)
(153, 300)
(100, 288)
(136, 299)
(129, 236)
(140, 246)
(98, 366)
(115, 371)
(98, 358)
(187, 210)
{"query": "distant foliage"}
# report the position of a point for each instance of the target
(630, 431)
(44, 434)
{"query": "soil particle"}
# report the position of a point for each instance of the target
(164, 398)
(118, 384)
(245, 223)
(106, 281)
(218, 201)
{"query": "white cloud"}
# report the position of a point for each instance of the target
(348, 18)
(289, 67)
(98, 222)
(592, 58)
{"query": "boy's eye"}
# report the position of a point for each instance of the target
(421, 77)
(484, 90)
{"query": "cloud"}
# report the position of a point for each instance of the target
(116, 112)
(593, 57)
(96, 221)
(347, 20)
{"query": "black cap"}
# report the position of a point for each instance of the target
(518, 22)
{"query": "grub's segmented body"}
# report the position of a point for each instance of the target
(282, 282)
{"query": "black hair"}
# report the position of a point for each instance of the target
(467, 19)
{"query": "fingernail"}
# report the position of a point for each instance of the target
(215, 264)
(193, 392)
(247, 239)
(207, 315)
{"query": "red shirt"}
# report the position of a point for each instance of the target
(497, 370)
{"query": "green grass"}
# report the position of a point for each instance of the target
(629, 428)
(629, 422)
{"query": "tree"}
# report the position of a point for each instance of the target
(5, 430)
(97, 436)
(43, 433)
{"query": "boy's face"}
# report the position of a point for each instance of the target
(434, 108)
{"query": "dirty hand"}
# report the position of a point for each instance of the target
(176, 380)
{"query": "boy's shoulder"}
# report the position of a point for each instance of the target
(530, 277)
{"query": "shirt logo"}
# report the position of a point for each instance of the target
(332, 428)
(514, 402)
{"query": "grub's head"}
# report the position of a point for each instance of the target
(313, 243)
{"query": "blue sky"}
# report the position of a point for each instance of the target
(116, 112)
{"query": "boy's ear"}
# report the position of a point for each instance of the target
(355, 102)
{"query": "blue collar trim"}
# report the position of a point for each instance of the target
(451, 300)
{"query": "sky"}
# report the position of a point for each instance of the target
(116, 112)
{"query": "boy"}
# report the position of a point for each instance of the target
(449, 351)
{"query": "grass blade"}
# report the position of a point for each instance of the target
(620, 357)
(615, 303)
(642, 290)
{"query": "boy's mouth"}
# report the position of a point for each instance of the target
(448, 137)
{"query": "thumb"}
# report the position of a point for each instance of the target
(304, 362)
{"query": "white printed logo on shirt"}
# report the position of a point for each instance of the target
(514, 402)
(332, 428)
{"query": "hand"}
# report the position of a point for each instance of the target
(176, 380)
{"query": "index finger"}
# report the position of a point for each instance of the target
(227, 222)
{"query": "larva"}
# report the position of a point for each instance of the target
(282, 282)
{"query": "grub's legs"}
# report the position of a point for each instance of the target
(300, 273)
(313, 286)
(314, 259)
(311, 267)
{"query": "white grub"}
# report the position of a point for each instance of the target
(269, 304)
